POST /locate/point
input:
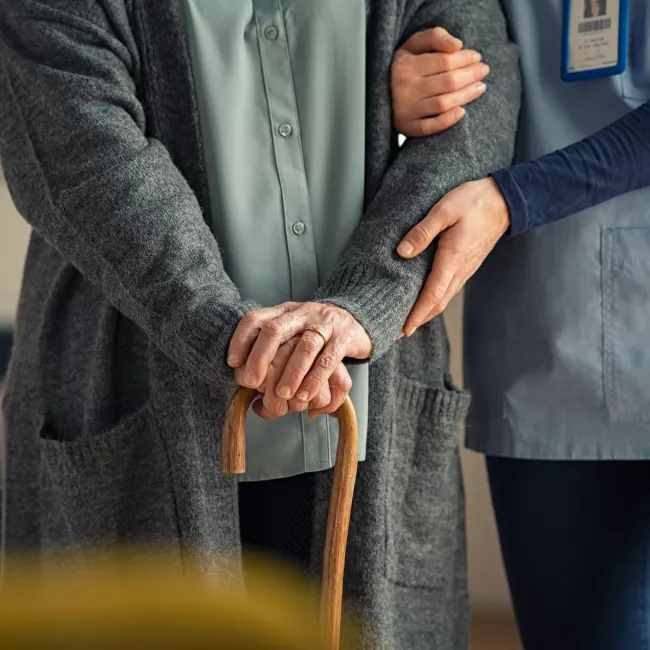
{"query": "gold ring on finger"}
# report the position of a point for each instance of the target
(321, 331)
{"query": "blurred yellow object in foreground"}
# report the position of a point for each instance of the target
(143, 605)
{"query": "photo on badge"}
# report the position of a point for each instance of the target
(595, 8)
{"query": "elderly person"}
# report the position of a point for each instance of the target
(557, 337)
(194, 172)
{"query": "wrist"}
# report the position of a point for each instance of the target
(498, 205)
(516, 201)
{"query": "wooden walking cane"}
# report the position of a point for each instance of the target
(233, 461)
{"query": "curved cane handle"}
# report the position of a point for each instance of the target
(233, 461)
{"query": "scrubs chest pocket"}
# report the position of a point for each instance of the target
(626, 323)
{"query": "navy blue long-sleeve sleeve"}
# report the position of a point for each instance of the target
(608, 163)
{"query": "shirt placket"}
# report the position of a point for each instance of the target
(285, 126)
(287, 146)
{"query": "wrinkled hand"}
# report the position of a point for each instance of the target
(432, 78)
(332, 393)
(305, 362)
(468, 223)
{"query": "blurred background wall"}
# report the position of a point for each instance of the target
(487, 583)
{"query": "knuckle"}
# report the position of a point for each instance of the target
(446, 63)
(400, 99)
(272, 329)
(445, 213)
(251, 318)
(294, 376)
(399, 58)
(298, 407)
(275, 365)
(311, 343)
(331, 314)
(346, 384)
(435, 294)
(443, 104)
(403, 123)
(420, 129)
(448, 82)
(255, 360)
(439, 32)
(397, 71)
(450, 117)
(313, 308)
(457, 253)
(437, 105)
(276, 408)
(419, 236)
(455, 80)
(327, 361)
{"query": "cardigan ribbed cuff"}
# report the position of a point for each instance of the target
(376, 302)
(206, 336)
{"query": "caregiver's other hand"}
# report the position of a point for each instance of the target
(332, 394)
(432, 78)
(468, 223)
(328, 334)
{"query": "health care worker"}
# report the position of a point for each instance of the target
(557, 341)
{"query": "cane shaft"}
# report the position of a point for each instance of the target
(233, 461)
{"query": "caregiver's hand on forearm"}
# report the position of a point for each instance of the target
(432, 78)
(327, 334)
(468, 223)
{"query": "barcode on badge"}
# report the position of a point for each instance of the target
(595, 26)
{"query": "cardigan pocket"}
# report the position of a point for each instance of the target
(626, 315)
(425, 519)
(109, 488)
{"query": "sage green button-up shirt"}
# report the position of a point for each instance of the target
(281, 93)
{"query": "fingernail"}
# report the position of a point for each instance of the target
(462, 112)
(481, 87)
(477, 57)
(303, 395)
(405, 249)
(486, 68)
(409, 330)
(400, 336)
(233, 360)
(284, 392)
(249, 378)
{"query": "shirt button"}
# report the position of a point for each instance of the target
(285, 130)
(298, 228)
(271, 32)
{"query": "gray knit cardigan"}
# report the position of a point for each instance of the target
(117, 386)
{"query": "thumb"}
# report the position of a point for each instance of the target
(419, 238)
(437, 39)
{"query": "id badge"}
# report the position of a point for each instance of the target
(594, 39)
